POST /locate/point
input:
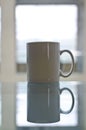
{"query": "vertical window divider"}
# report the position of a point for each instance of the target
(8, 50)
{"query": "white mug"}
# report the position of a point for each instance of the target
(43, 62)
(43, 91)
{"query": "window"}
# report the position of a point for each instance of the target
(45, 23)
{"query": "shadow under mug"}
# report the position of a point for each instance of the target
(43, 62)
(43, 102)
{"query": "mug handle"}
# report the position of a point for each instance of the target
(72, 65)
(72, 105)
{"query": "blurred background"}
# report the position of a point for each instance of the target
(23, 21)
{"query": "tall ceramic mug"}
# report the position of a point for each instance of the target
(43, 72)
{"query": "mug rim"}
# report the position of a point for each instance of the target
(43, 42)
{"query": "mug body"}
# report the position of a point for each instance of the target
(43, 62)
(43, 103)
(43, 66)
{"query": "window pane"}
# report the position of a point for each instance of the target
(46, 23)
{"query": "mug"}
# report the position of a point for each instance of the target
(43, 62)
(43, 102)
(43, 91)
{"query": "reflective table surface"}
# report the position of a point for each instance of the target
(13, 107)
